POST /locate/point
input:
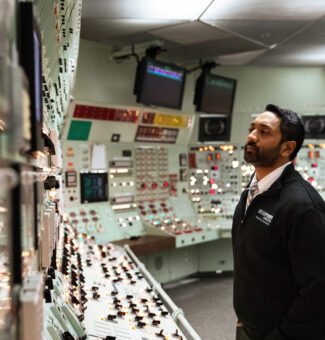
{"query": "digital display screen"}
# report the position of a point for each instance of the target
(71, 179)
(93, 187)
(213, 128)
(160, 83)
(215, 94)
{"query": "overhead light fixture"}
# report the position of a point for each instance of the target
(167, 9)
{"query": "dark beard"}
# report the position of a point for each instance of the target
(262, 158)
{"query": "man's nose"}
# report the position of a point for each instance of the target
(251, 137)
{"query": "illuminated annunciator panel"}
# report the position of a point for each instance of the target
(100, 292)
(215, 183)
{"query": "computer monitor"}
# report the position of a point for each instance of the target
(214, 94)
(159, 83)
(93, 187)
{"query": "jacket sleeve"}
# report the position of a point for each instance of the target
(305, 318)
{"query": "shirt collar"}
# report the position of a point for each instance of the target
(265, 183)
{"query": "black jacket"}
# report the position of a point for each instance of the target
(279, 260)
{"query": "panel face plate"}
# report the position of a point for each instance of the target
(79, 130)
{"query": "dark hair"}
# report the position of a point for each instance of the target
(291, 127)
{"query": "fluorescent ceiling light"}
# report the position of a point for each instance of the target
(176, 9)
(315, 55)
(267, 10)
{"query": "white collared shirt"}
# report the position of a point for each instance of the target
(265, 183)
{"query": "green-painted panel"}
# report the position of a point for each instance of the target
(79, 130)
(216, 256)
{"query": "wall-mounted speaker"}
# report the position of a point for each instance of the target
(214, 128)
(314, 127)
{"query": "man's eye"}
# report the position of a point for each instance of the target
(264, 132)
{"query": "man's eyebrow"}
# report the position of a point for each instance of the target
(266, 126)
(263, 125)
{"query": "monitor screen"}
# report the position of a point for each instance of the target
(30, 58)
(214, 128)
(159, 83)
(214, 94)
(93, 187)
(314, 126)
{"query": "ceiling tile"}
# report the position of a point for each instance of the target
(209, 49)
(307, 48)
(190, 33)
(106, 29)
(263, 31)
(241, 58)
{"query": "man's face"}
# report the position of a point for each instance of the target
(263, 142)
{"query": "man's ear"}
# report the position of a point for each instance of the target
(287, 148)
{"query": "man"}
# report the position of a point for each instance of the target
(278, 238)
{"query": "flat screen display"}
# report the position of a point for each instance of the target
(159, 83)
(214, 94)
(93, 187)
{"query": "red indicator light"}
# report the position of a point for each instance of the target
(154, 185)
(218, 156)
(165, 184)
(215, 167)
(212, 191)
(192, 160)
(314, 165)
(211, 180)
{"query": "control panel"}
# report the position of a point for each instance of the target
(99, 292)
(120, 191)
(215, 183)
(310, 162)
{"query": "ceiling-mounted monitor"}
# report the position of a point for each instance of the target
(214, 94)
(30, 58)
(159, 83)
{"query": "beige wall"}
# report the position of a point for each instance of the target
(100, 79)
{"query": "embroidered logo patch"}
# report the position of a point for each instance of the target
(264, 217)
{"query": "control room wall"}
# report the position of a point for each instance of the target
(102, 80)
